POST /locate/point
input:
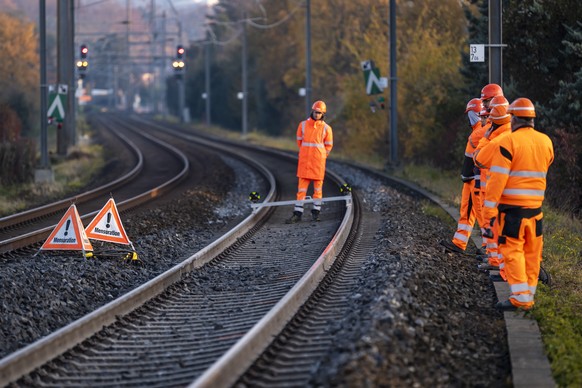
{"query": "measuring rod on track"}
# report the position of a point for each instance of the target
(308, 199)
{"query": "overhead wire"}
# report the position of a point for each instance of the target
(250, 22)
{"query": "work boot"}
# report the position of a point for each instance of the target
(506, 305)
(296, 217)
(496, 278)
(314, 215)
(482, 258)
(545, 277)
(487, 267)
(450, 247)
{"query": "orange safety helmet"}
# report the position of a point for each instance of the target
(319, 105)
(522, 107)
(497, 101)
(490, 91)
(499, 115)
(475, 105)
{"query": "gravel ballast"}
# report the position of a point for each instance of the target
(418, 316)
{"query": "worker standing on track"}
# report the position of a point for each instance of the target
(483, 155)
(514, 196)
(315, 141)
(468, 209)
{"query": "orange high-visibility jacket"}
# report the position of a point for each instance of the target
(487, 150)
(315, 141)
(518, 170)
(467, 172)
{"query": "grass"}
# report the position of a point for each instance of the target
(558, 309)
(70, 174)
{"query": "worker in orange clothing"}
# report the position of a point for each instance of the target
(514, 196)
(315, 141)
(488, 93)
(500, 126)
(467, 211)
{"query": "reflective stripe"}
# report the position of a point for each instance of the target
(519, 287)
(500, 170)
(302, 129)
(491, 245)
(532, 289)
(490, 204)
(298, 208)
(466, 227)
(539, 193)
(461, 237)
(501, 265)
(317, 189)
(483, 183)
(299, 138)
(523, 298)
(528, 174)
(328, 143)
(302, 190)
(469, 154)
(316, 145)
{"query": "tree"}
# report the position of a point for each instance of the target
(19, 68)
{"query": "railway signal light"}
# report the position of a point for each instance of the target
(178, 63)
(82, 63)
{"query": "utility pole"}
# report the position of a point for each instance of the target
(70, 118)
(495, 43)
(393, 88)
(207, 76)
(64, 61)
(308, 57)
(43, 173)
(244, 77)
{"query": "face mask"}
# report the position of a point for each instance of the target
(473, 117)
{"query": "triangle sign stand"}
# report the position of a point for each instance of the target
(107, 226)
(69, 234)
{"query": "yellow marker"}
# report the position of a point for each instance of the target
(89, 254)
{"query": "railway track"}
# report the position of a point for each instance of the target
(215, 319)
(157, 169)
(254, 240)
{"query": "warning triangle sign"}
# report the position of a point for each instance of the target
(106, 226)
(69, 234)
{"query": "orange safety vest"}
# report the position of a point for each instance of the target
(518, 170)
(315, 141)
(488, 153)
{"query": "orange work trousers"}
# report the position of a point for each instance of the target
(302, 187)
(520, 245)
(467, 215)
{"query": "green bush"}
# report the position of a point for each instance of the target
(17, 161)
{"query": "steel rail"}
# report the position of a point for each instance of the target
(226, 370)
(40, 352)
(31, 214)
(41, 234)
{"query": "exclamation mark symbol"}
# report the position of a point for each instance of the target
(108, 224)
(67, 227)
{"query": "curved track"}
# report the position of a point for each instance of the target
(202, 321)
(158, 167)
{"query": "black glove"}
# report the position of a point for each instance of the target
(488, 231)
